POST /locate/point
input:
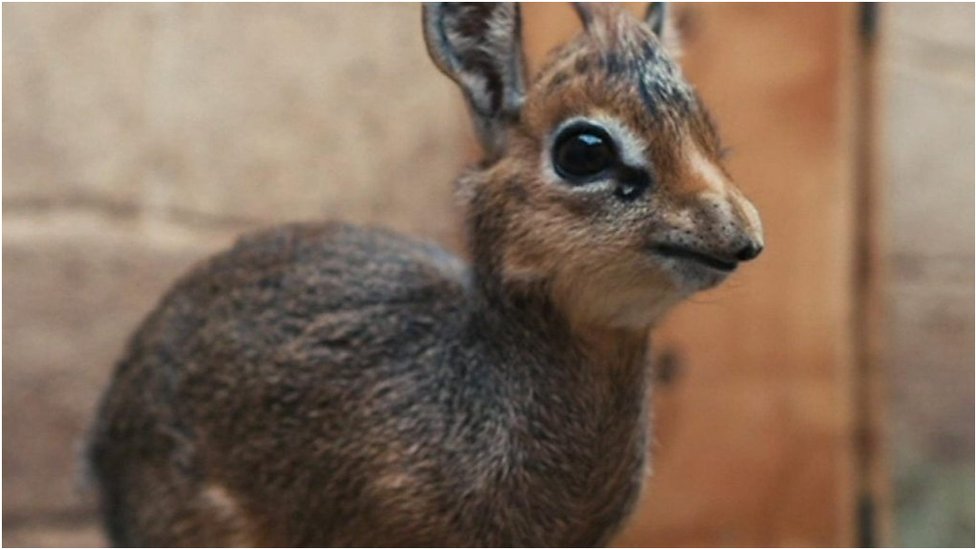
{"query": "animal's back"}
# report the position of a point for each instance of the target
(244, 403)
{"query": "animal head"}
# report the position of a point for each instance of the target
(603, 177)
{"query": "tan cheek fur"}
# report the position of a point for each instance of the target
(615, 294)
(610, 292)
(594, 281)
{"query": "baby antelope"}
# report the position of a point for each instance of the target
(324, 384)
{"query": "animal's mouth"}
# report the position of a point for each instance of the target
(679, 252)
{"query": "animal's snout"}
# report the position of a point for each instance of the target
(749, 252)
(741, 214)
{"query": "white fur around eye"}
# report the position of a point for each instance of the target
(628, 143)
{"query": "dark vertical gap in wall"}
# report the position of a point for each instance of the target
(873, 505)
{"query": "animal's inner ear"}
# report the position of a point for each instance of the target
(478, 45)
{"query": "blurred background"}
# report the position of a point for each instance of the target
(823, 397)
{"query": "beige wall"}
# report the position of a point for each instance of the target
(139, 138)
(927, 86)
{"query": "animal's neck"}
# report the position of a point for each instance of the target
(574, 408)
(535, 304)
(606, 360)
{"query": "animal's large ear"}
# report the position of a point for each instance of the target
(479, 46)
(656, 17)
(662, 22)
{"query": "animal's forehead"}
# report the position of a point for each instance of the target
(636, 74)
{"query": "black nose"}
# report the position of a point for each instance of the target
(749, 252)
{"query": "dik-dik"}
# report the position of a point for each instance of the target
(324, 384)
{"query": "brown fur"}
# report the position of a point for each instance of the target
(330, 385)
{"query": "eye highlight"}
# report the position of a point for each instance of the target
(582, 152)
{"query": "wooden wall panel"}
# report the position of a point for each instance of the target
(754, 433)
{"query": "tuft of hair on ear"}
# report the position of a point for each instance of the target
(655, 16)
(600, 18)
(585, 14)
(658, 17)
(479, 46)
(593, 15)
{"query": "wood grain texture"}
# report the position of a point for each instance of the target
(754, 436)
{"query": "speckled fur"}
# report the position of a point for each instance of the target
(323, 384)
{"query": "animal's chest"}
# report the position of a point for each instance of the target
(569, 485)
(577, 454)
(585, 499)
(517, 462)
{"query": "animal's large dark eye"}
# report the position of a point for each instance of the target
(581, 153)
